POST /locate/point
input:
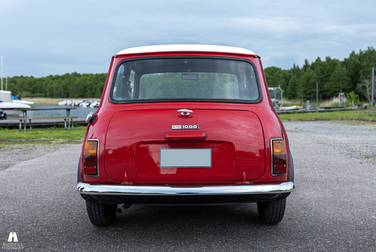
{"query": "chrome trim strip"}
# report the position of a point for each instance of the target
(85, 188)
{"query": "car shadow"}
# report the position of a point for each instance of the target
(189, 216)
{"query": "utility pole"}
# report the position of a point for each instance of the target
(317, 97)
(373, 84)
(1, 72)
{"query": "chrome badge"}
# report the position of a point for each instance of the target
(176, 127)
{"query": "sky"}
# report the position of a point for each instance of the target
(40, 38)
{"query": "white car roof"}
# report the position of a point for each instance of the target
(185, 48)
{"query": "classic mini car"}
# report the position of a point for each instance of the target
(185, 125)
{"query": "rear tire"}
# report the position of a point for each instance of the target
(101, 215)
(271, 212)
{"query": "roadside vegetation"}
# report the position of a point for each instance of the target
(332, 102)
(333, 76)
(40, 135)
(69, 85)
(360, 115)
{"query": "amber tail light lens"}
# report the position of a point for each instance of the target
(90, 158)
(279, 157)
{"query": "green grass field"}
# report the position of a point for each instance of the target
(344, 115)
(42, 135)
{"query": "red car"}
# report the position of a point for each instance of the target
(181, 125)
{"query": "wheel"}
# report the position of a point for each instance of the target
(101, 214)
(271, 212)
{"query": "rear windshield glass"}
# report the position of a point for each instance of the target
(185, 79)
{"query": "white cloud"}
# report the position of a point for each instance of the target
(43, 37)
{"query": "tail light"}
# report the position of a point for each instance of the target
(90, 157)
(279, 157)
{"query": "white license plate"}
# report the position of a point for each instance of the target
(185, 158)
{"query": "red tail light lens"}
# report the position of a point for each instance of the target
(90, 158)
(279, 157)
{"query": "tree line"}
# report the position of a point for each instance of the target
(333, 76)
(69, 85)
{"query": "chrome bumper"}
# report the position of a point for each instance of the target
(126, 190)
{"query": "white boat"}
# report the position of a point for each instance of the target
(77, 103)
(94, 104)
(64, 102)
(5, 96)
(8, 105)
(13, 105)
(22, 102)
(86, 103)
(289, 108)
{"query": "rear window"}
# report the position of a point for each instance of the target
(187, 79)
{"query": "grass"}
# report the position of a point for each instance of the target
(333, 102)
(42, 135)
(342, 115)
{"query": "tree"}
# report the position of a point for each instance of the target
(338, 82)
(307, 86)
(306, 65)
(13, 89)
(273, 76)
(296, 71)
(353, 67)
(292, 88)
(365, 88)
(367, 61)
(352, 97)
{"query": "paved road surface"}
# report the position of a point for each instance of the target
(333, 209)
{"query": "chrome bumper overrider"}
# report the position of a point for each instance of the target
(114, 190)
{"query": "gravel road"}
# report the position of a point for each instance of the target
(14, 154)
(332, 209)
(351, 139)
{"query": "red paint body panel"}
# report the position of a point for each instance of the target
(133, 144)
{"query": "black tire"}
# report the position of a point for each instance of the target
(101, 215)
(271, 212)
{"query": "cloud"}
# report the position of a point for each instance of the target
(54, 37)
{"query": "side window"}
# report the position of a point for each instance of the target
(124, 85)
(116, 93)
(251, 91)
